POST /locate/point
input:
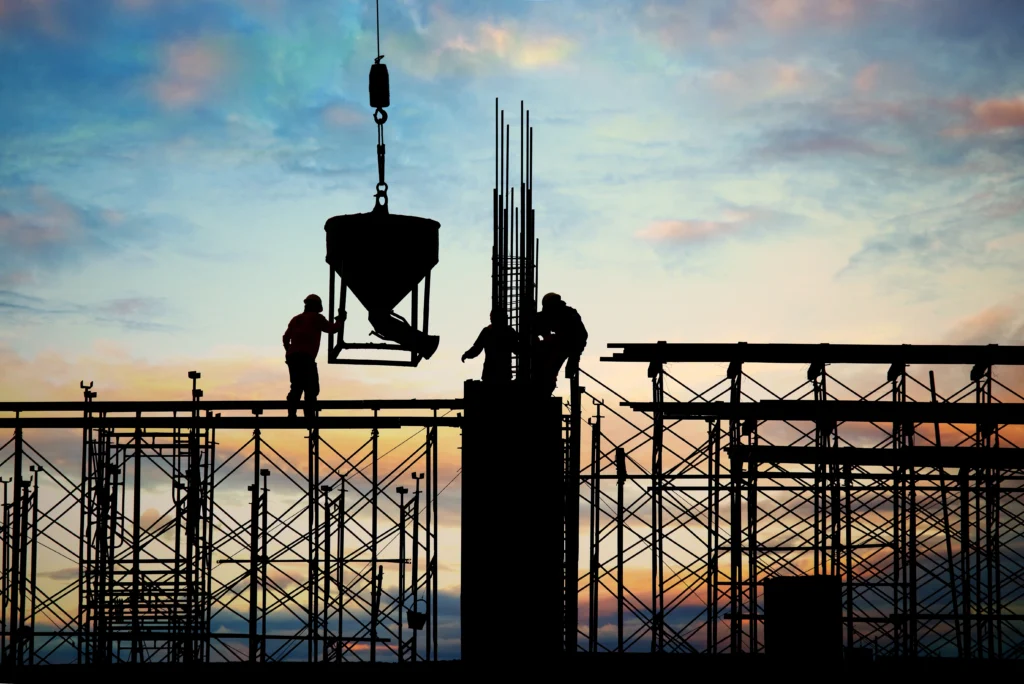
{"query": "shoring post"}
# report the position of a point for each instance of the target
(402, 516)
(418, 477)
(988, 551)
(254, 544)
(342, 592)
(572, 519)
(136, 655)
(947, 530)
(5, 572)
(620, 481)
(750, 432)
(714, 519)
(735, 375)
(313, 545)
(432, 488)
(326, 489)
(656, 372)
(374, 508)
(264, 560)
(34, 500)
(17, 554)
(595, 525)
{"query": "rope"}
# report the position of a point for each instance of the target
(378, 27)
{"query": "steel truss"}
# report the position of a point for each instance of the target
(154, 548)
(913, 496)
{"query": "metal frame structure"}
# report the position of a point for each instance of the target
(336, 344)
(168, 558)
(860, 468)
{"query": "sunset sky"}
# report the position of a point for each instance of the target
(759, 170)
(845, 171)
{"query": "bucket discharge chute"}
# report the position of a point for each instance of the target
(382, 258)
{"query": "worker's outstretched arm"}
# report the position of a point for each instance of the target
(477, 347)
(328, 327)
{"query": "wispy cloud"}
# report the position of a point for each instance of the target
(688, 231)
(190, 72)
(134, 313)
(43, 231)
(988, 116)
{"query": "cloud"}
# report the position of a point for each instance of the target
(43, 231)
(448, 45)
(999, 324)
(958, 233)
(987, 116)
(191, 69)
(134, 313)
(803, 142)
(689, 231)
(867, 78)
(788, 14)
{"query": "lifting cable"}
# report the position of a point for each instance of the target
(379, 99)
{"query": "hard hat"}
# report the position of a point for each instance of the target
(550, 298)
(313, 299)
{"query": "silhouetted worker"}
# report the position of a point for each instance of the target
(301, 344)
(563, 337)
(498, 340)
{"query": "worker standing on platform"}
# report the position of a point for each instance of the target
(301, 345)
(563, 337)
(498, 340)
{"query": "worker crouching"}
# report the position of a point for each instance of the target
(301, 345)
(562, 339)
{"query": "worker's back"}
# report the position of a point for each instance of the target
(304, 331)
(499, 343)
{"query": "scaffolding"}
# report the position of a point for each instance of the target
(858, 468)
(162, 550)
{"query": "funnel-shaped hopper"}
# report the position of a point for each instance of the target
(381, 256)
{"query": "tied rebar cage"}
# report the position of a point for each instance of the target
(906, 484)
(144, 542)
(515, 250)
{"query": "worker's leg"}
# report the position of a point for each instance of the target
(312, 389)
(295, 377)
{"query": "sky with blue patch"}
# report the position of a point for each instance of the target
(759, 170)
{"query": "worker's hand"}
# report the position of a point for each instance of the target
(463, 358)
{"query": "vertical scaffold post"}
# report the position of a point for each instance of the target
(313, 542)
(374, 507)
(620, 482)
(572, 517)
(17, 557)
(735, 376)
(595, 526)
(254, 490)
(656, 372)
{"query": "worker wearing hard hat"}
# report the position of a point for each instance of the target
(563, 338)
(301, 344)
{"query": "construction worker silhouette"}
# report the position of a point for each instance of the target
(498, 340)
(301, 344)
(562, 339)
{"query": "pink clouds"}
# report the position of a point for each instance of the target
(343, 116)
(191, 70)
(54, 222)
(690, 231)
(989, 116)
(40, 14)
(867, 78)
(785, 14)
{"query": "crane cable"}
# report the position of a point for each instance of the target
(380, 97)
